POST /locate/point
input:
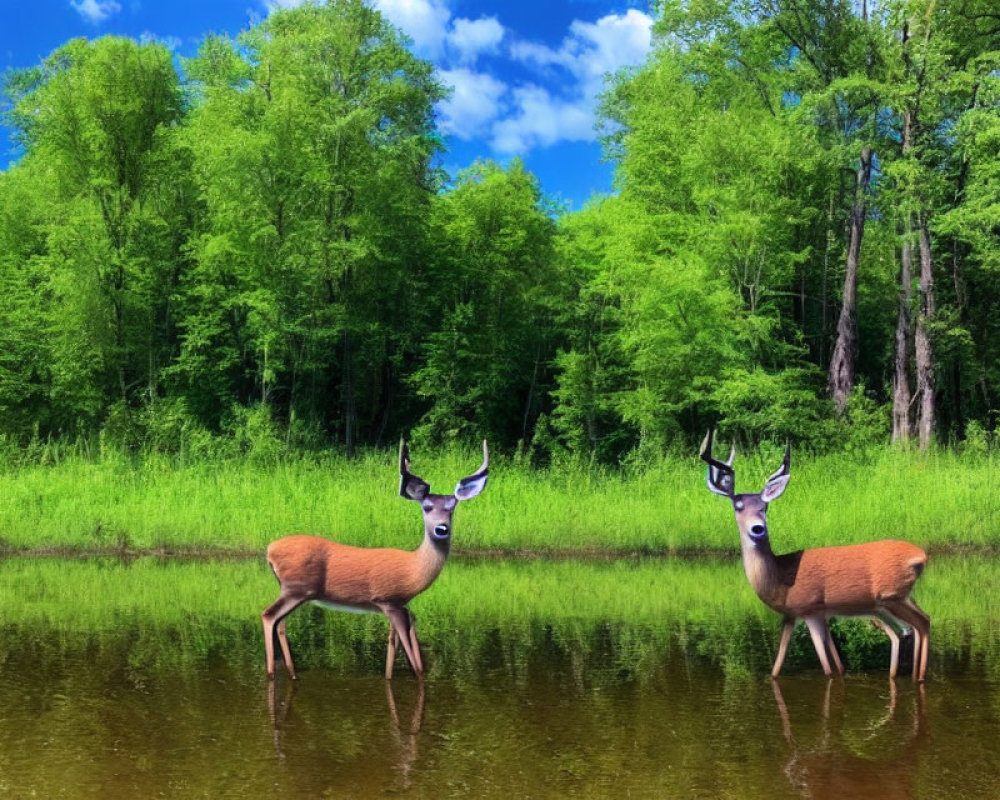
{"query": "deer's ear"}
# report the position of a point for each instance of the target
(468, 488)
(412, 488)
(774, 487)
(474, 484)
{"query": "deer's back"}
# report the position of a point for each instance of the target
(343, 574)
(855, 576)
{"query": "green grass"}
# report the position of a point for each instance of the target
(623, 614)
(941, 500)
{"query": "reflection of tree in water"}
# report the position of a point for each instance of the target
(879, 760)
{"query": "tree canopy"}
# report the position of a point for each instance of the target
(802, 242)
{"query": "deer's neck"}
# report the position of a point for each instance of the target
(429, 560)
(763, 572)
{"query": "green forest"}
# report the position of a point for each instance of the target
(258, 243)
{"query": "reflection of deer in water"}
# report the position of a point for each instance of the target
(365, 579)
(278, 713)
(833, 771)
(861, 580)
(406, 740)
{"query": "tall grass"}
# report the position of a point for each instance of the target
(937, 500)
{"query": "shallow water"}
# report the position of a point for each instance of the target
(584, 708)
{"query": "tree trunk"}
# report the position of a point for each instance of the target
(922, 345)
(841, 379)
(901, 397)
(531, 396)
(830, 238)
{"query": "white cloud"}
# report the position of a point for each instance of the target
(611, 43)
(424, 21)
(474, 104)
(539, 120)
(558, 106)
(593, 49)
(468, 38)
(433, 29)
(588, 53)
(95, 10)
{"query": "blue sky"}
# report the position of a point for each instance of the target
(525, 73)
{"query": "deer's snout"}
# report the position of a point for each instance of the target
(441, 530)
(758, 530)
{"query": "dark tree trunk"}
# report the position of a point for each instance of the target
(842, 362)
(901, 396)
(902, 427)
(922, 345)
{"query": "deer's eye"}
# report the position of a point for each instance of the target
(738, 505)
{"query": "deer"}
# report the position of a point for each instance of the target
(871, 580)
(365, 579)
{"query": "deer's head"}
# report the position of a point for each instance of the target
(750, 509)
(439, 508)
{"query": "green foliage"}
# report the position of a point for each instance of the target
(311, 148)
(260, 257)
(493, 284)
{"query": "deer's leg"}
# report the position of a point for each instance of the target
(924, 637)
(786, 635)
(268, 646)
(399, 618)
(834, 655)
(413, 641)
(819, 633)
(286, 651)
(271, 617)
(912, 615)
(414, 647)
(925, 634)
(889, 631)
(390, 652)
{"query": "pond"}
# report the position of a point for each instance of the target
(592, 679)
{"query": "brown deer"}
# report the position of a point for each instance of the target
(861, 580)
(364, 579)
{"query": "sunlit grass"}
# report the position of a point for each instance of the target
(937, 500)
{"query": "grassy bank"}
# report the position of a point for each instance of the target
(942, 500)
(622, 614)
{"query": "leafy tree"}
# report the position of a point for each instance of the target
(493, 283)
(311, 144)
(93, 119)
(717, 225)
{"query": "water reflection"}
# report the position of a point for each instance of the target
(402, 731)
(845, 758)
(277, 711)
(561, 726)
(482, 615)
(406, 739)
(147, 686)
